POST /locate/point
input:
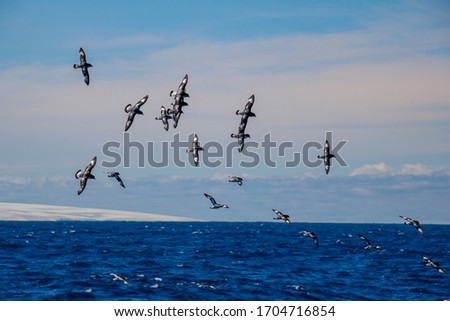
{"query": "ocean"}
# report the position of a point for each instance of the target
(215, 261)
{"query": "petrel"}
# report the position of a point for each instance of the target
(179, 102)
(436, 265)
(165, 116)
(118, 278)
(326, 156)
(194, 150)
(84, 176)
(410, 221)
(84, 66)
(240, 136)
(236, 179)
(181, 91)
(281, 216)
(117, 177)
(247, 112)
(133, 110)
(311, 235)
(369, 245)
(214, 203)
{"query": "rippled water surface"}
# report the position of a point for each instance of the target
(220, 261)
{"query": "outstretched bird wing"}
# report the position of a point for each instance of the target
(417, 226)
(213, 201)
(83, 182)
(86, 75)
(182, 86)
(140, 102)
(90, 166)
(326, 149)
(82, 57)
(249, 105)
(316, 240)
(129, 120)
(362, 237)
(119, 180)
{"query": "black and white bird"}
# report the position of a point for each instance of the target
(281, 216)
(133, 111)
(116, 175)
(215, 205)
(240, 136)
(415, 223)
(83, 176)
(369, 245)
(436, 265)
(83, 65)
(195, 149)
(179, 95)
(181, 91)
(311, 235)
(327, 156)
(247, 112)
(236, 179)
(165, 116)
(119, 278)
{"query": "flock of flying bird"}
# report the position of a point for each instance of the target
(175, 112)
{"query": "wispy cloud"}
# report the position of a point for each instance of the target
(371, 169)
(382, 169)
(331, 198)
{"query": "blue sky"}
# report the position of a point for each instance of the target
(375, 74)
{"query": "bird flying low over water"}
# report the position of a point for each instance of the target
(369, 245)
(133, 110)
(194, 150)
(436, 265)
(281, 216)
(326, 157)
(84, 66)
(165, 116)
(118, 278)
(214, 203)
(83, 176)
(415, 223)
(117, 177)
(311, 235)
(179, 102)
(236, 179)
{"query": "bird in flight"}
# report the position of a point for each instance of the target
(83, 65)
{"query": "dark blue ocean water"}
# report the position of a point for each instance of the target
(220, 261)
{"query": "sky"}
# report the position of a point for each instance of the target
(374, 75)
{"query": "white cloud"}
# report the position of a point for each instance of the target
(416, 170)
(382, 169)
(371, 170)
